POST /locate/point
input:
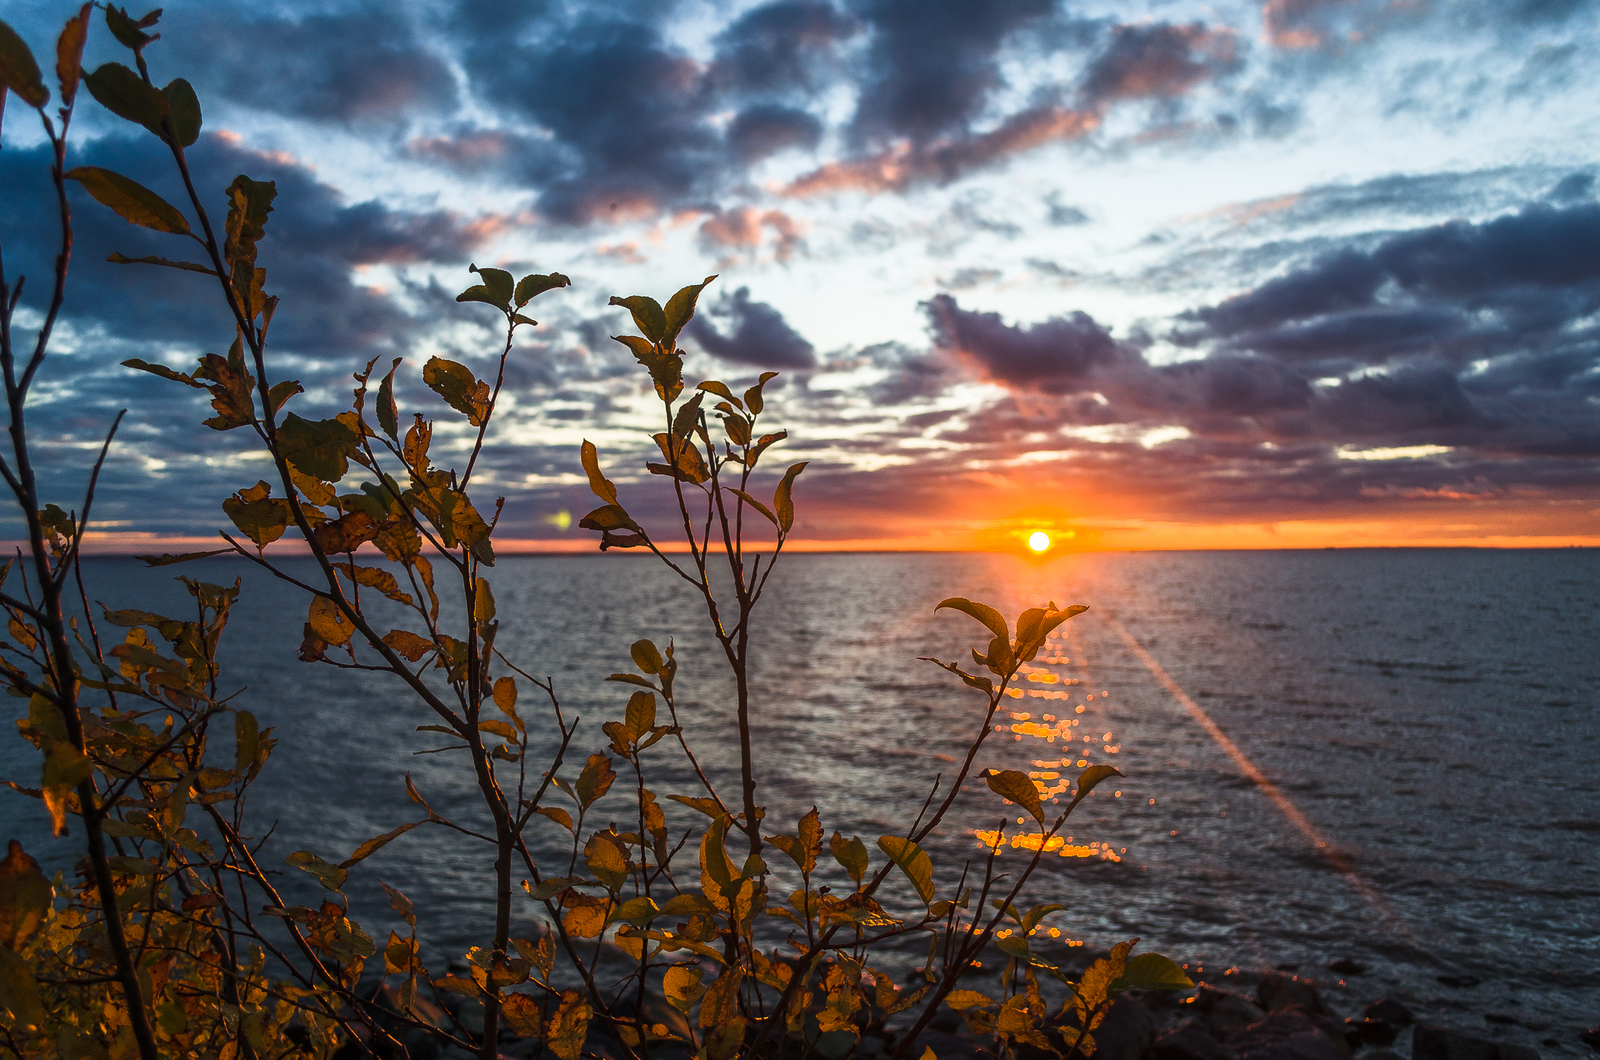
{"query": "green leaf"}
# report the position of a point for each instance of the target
(133, 201)
(1035, 624)
(1087, 781)
(319, 448)
(1150, 971)
(19, 71)
(982, 612)
(117, 257)
(185, 111)
(388, 414)
(783, 499)
(637, 911)
(330, 876)
(247, 740)
(1014, 785)
(124, 93)
(496, 288)
(25, 896)
(680, 309)
(911, 860)
(128, 30)
(647, 315)
(1038, 913)
(851, 853)
(460, 389)
(535, 284)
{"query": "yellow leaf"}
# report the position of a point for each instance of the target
(585, 921)
(330, 623)
(521, 1014)
(1014, 785)
(569, 1026)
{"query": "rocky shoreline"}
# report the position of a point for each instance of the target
(1237, 1015)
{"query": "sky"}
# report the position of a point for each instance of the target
(1148, 274)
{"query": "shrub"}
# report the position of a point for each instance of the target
(159, 947)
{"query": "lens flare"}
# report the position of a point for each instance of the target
(1038, 540)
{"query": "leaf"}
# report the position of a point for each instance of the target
(680, 309)
(124, 93)
(568, 1028)
(710, 807)
(25, 896)
(804, 848)
(753, 398)
(609, 517)
(249, 203)
(1035, 624)
(585, 921)
(760, 447)
(641, 713)
(598, 483)
(377, 843)
(681, 984)
(1014, 785)
(132, 201)
(852, 854)
(637, 911)
(556, 814)
(721, 1002)
(246, 740)
(1150, 971)
(646, 656)
(682, 454)
(595, 780)
(720, 389)
(346, 533)
(1091, 994)
(407, 644)
(119, 258)
(329, 622)
(319, 448)
(64, 767)
(69, 54)
(1087, 781)
(606, 860)
(752, 502)
(715, 864)
(460, 389)
(783, 501)
(1038, 913)
(982, 612)
(687, 418)
(647, 315)
(548, 889)
(522, 1014)
(19, 991)
(19, 71)
(330, 876)
(495, 290)
(911, 860)
(128, 31)
(185, 111)
(961, 1000)
(388, 414)
(535, 284)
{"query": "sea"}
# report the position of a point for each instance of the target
(1385, 757)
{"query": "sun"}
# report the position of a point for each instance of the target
(1038, 541)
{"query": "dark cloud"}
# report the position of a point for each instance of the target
(780, 48)
(1055, 357)
(932, 64)
(754, 334)
(765, 129)
(1157, 60)
(366, 63)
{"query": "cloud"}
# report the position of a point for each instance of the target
(1057, 356)
(1157, 60)
(743, 227)
(780, 48)
(755, 334)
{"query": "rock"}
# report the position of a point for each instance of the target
(1345, 966)
(1440, 1043)
(1289, 1033)
(1382, 1054)
(945, 1046)
(1459, 980)
(469, 1017)
(1591, 1038)
(1223, 1008)
(1371, 1031)
(1187, 1041)
(1127, 1031)
(1289, 991)
(1500, 1018)
(1390, 1011)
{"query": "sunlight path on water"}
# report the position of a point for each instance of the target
(1334, 856)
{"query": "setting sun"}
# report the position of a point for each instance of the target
(1038, 541)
